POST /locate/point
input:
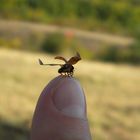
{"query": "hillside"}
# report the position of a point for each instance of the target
(119, 17)
(22, 27)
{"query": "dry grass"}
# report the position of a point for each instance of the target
(112, 93)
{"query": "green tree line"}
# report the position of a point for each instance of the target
(116, 16)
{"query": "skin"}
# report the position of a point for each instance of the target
(60, 113)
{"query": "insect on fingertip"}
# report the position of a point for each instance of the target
(67, 68)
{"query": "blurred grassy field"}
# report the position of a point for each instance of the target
(112, 93)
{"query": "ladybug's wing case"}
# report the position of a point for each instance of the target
(61, 58)
(73, 60)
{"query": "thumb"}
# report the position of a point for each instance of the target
(61, 112)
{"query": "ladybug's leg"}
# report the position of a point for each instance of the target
(68, 74)
(64, 73)
(71, 74)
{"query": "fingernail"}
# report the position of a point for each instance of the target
(68, 97)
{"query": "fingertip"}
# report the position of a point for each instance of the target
(68, 98)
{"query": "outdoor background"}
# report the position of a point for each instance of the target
(107, 35)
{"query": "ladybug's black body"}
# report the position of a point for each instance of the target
(66, 68)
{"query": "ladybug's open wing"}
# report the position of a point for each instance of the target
(41, 63)
(73, 60)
